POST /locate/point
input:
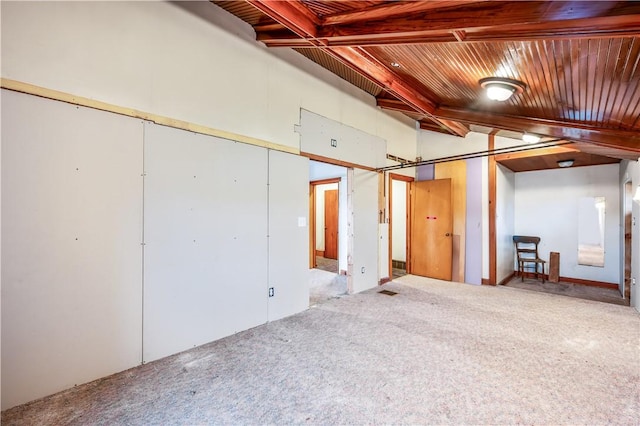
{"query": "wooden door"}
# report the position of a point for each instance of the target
(331, 224)
(431, 229)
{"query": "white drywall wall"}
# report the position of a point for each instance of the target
(546, 205)
(331, 139)
(186, 60)
(288, 234)
(365, 230)
(71, 246)
(320, 189)
(383, 251)
(505, 222)
(205, 227)
(399, 224)
(433, 145)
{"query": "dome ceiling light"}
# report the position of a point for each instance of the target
(530, 138)
(501, 89)
(565, 163)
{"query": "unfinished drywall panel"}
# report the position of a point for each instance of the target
(332, 139)
(383, 252)
(71, 253)
(288, 234)
(365, 230)
(205, 232)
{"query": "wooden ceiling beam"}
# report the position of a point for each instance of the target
(389, 10)
(449, 125)
(291, 14)
(432, 22)
(394, 105)
(622, 139)
(595, 28)
(480, 15)
(552, 150)
(619, 139)
(372, 68)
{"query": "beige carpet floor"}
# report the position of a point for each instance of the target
(325, 285)
(434, 353)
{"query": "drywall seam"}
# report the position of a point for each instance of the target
(56, 95)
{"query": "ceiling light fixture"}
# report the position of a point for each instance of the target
(565, 163)
(530, 138)
(501, 89)
(395, 64)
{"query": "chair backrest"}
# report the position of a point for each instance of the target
(526, 246)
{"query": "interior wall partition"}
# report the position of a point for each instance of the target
(124, 241)
(71, 245)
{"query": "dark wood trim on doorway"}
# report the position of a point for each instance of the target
(335, 162)
(492, 215)
(325, 181)
(312, 226)
(312, 217)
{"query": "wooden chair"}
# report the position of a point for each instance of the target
(527, 253)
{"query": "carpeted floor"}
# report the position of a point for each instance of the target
(325, 285)
(434, 353)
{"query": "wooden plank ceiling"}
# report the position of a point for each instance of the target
(579, 62)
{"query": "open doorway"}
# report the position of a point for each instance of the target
(399, 232)
(327, 231)
(325, 219)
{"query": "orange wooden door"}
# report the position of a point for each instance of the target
(331, 224)
(431, 229)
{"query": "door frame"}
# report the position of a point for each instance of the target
(407, 180)
(312, 217)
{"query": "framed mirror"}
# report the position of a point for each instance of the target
(591, 216)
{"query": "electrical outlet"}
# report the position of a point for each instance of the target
(271, 292)
(362, 270)
(334, 143)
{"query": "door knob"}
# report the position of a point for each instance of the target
(447, 234)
